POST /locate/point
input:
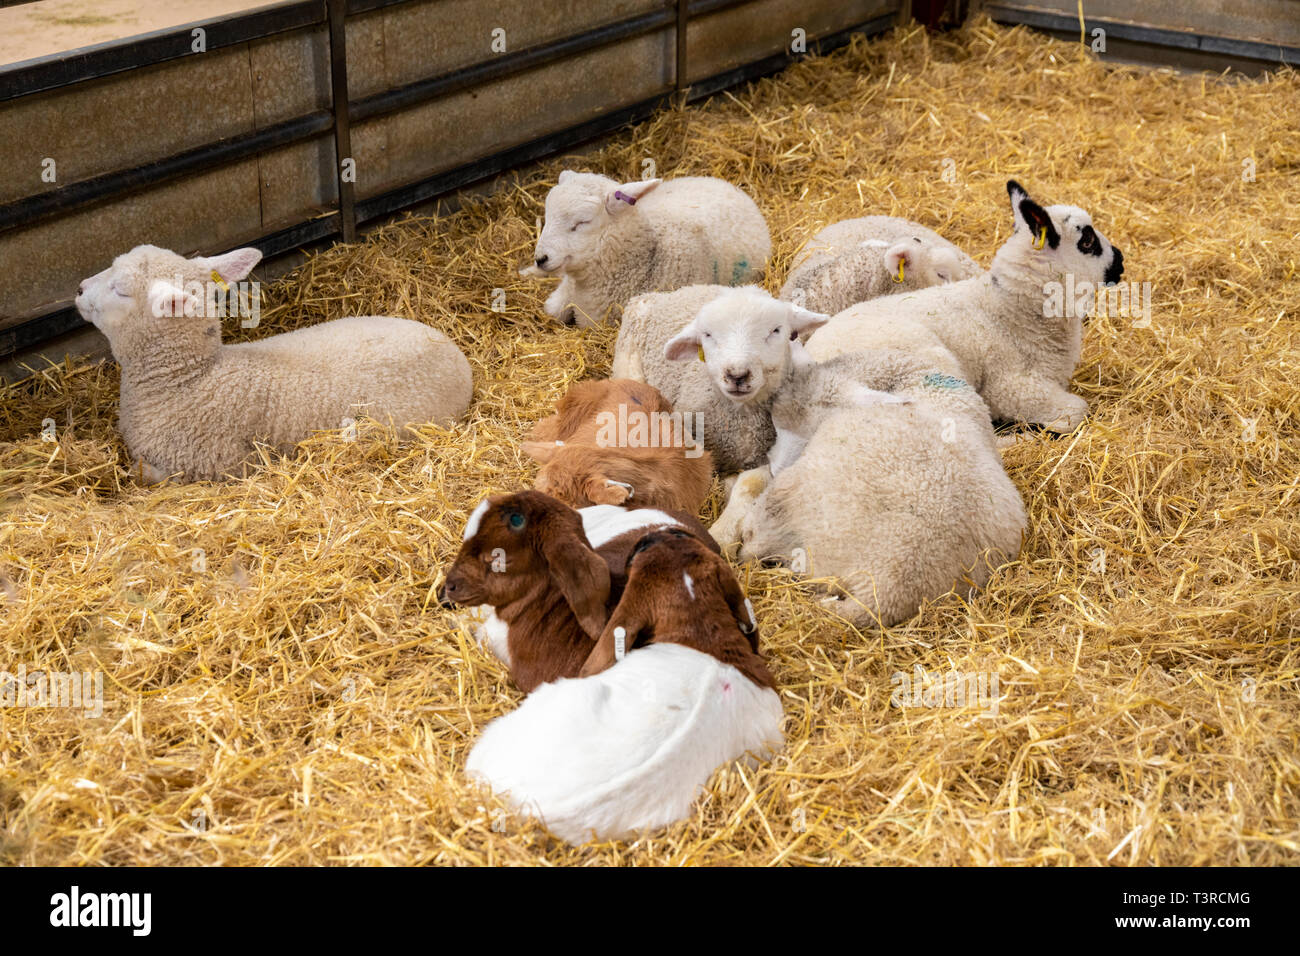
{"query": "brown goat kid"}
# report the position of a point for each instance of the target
(678, 591)
(618, 442)
(529, 557)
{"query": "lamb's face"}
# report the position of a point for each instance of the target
(761, 535)
(1060, 241)
(149, 284)
(744, 336)
(112, 299)
(579, 209)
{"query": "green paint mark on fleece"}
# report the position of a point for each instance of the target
(715, 271)
(739, 272)
(936, 380)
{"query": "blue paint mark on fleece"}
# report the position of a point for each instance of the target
(935, 380)
(739, 272)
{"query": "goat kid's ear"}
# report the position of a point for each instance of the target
(581, 575)
(803, 321)
(624, 197)
(165, 300)
(685, 344)
(1034, 216)
(234, 266)
(605, 491)
(541, 451)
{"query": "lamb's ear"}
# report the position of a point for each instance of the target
(541, 451)
(685, 344)
(803, 321)
(566, 175)
(1034, 216)
(902, 253)
(167, 301)
(579, 572)
(234, 265)
(625, 196)
(606, 491)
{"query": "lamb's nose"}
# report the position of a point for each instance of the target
(737, 379)
(542, 260)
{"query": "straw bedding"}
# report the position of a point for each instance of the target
(294, 695)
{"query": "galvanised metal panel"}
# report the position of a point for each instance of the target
(290, 74)
(1264, 21)
(124, 120)
(45, 262)
(721, 41)
(455, 129)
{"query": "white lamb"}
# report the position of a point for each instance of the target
(193, 407)
(1006, 332)
(611, 241)
(900, 502)
(719, 353)
(860, 259)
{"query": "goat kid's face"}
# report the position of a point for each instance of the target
(744, 337)
(579, 208)
(517, 546)
(149, 283)
(1060, 240)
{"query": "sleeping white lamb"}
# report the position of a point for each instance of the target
(611, 241)
(860, 259)
(999, 331)
(899, 502)
(193, 407)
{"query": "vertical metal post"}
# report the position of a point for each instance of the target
(338, 11)
(683, 18)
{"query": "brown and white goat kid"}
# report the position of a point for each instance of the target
(547, 577)
(619, 442)
(628, 748)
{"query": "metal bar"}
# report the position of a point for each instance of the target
(702, 8)
(104, 59)
(345, 176)
(423, 90)
(683, 23)
(33, 209)
(1155, 36)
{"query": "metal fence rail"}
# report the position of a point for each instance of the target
(330, 21)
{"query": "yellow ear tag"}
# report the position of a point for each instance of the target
(900, 271)
(216, 277)
(700, 353)
(1042, 239)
